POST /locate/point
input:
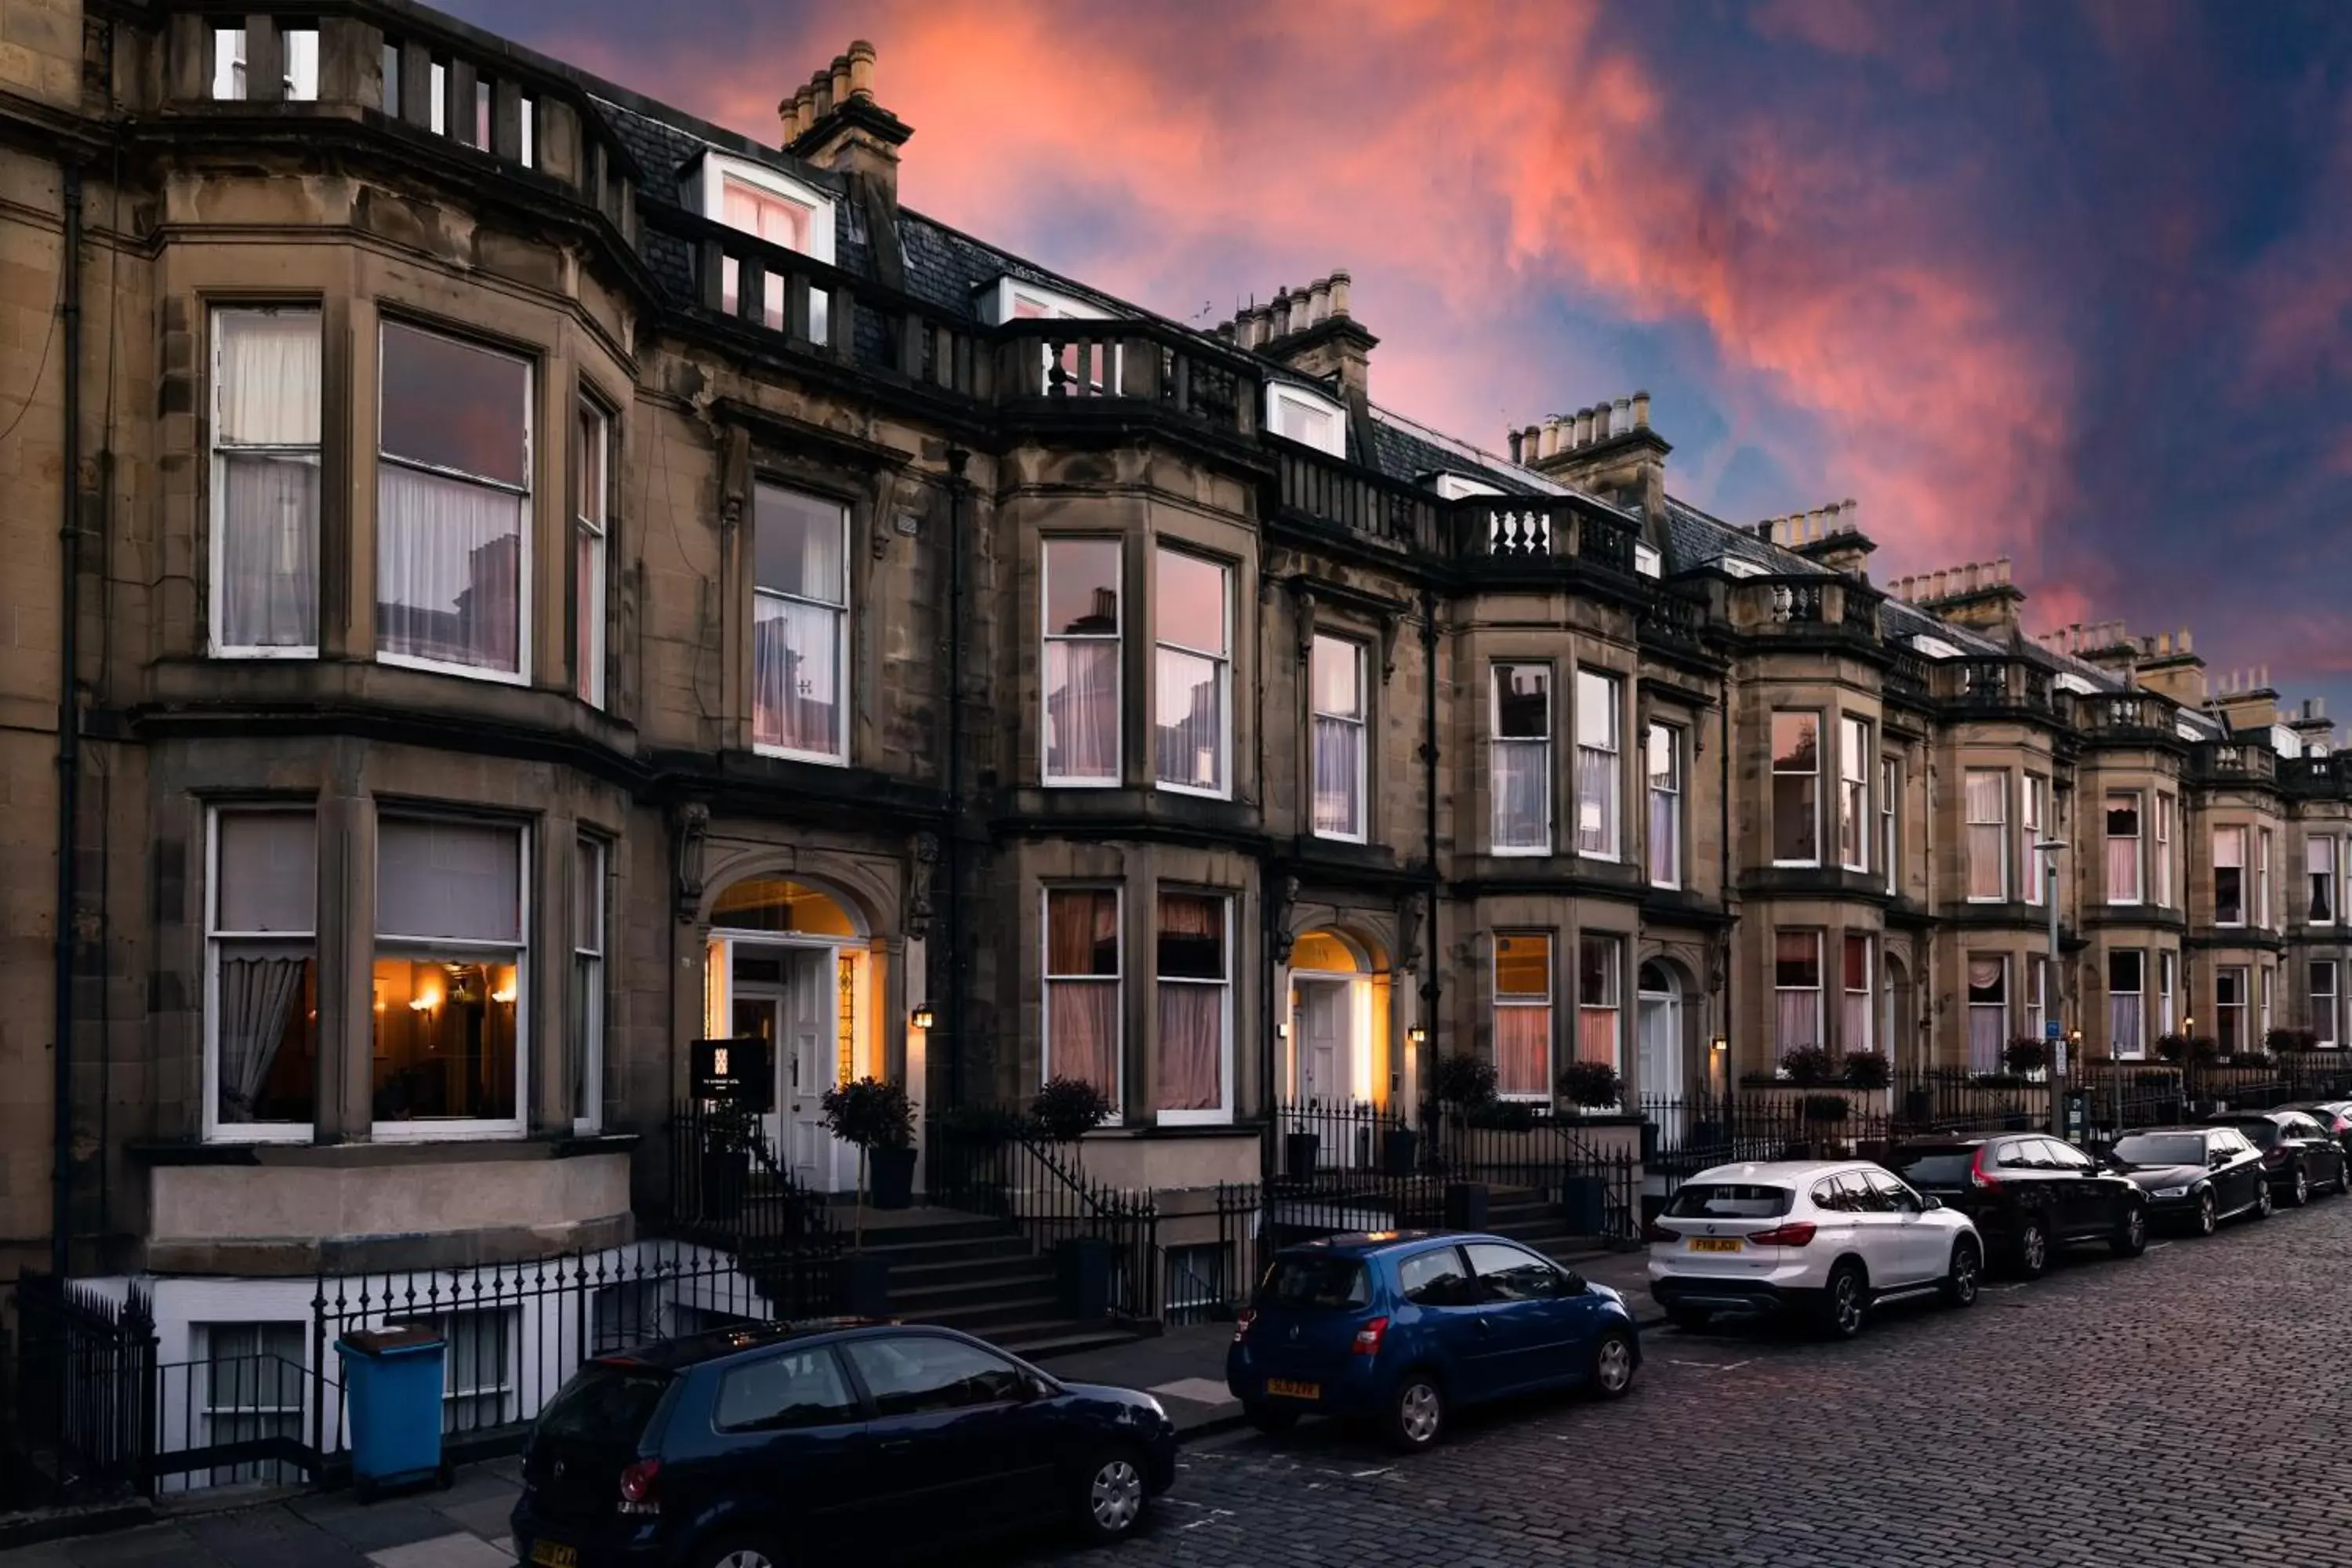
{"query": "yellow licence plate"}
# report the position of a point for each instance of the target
(548, 1555)
(1715, 1244)
(1284, 1388)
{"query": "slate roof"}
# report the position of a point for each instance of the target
(1404, 451)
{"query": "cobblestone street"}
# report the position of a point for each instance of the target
(2168, 1411)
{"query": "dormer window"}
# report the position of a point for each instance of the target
(1733, 567)
(1307, 417)
(769, 205)
(1647, 562)
(1014, 300)
(1458, 487)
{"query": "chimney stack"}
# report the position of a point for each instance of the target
(1313, 330)
(835, 122)
(1608, 450)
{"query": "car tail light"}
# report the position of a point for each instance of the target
(638, 1487)
(1977, 1177)
(1369, 1337)
(1796, 1232)
(2274, 1156)
(1654, 1231)
(1242, 1321)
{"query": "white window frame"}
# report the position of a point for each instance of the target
(2265, 853)
(1499, 1000)
(1647, 560)
(1970, 836)
(2138, 843)
(1115, 980)
(589, 1031)
(1890, 799)
(2265, 990)
(2166, 806)
(1221, 662)
(1281, 394)
(1047, 637)
(526, 556)
(1222, 1114)
(1671, 792)
(1818, 991)
(216, 1129)
(2037, 862)
(2237, 832)
(711, 190)
(2326, 1027)
(1779, 772)
(1495, 738)
(299, 62)
(2115, 1048)
(1001, 300)
(1460, 487)
(1614, 1006)
(383, 945)
(217, 545)
(206, 1350)
(591, 520)
(1608, 688)
(1854, 751)
(2037, 995)
(1868, 996)
(2322, 847)
(2168, 990)
(842, 683)
(1356, 725)
(2000, 1063)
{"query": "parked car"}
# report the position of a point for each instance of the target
(2029, 1194)
(2299, 1154)
(749, 1447)
(2196, 1176)
(1830, 1238)
(1405, 1327)
(2335, 1115)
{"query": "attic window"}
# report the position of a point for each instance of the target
(1733, 567)
(1647, 562)
(1307, 417)
(1009, 300)
(768, 203)
(2189, 731)
(1455, 486)
(2079, 686)
(1934, 648)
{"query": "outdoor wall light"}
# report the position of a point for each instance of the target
(1282, 1031)
(1718, 1044)
(922, 1017)
(1417, 1034)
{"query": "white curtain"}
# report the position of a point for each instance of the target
(1988, 1013)
(2122, 870)
(257, 997)
(588, 649)
(270, 551)
(1854, 1028)
(2124, 1024)
(795, 675)
(1522, 780)
(1665, 836)
(1596, 801)
(449, 569)
(1189, 712)
(269, 379)
(1799, 1023)
(456, 881)
(1987, 834)
(1523, 1051)
(1191, 1046)
(1338, 775)
(1082, 708)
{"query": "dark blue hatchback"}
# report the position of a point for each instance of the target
(758, 1447)
(1401, 1327)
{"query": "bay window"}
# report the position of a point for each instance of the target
(2127, 1003)
(2122, 847)
(265, 483)
(2325, 1021)
(1985, 796)
(1987, 1011)
(2164, 806)
(448, 977)
(1082, 1030)
(1520, 759)
(2229, 1009)
(1600, 999)
(1796, 789)
(588, 925)
(1082, 635)
(2037, 862)
(1597, 728)
(1854, 1031)
(799, 623)
(1336, 679)
(1853, 795)
(1195, 979)
(1523, 1005)
(1796, 992)
(1890, 797)
(1666, 768)
(592, 437)
(261, 991)
(2319, 860)
(2229, 876)
(1191, 672)
(453, 506)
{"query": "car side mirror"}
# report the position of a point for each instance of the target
(1034, 1386)
(1569, 1283)
(2218, 1161)
(1930, 1203)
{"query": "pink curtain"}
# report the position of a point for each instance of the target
(1596, 1036)
(1081, 931)
(1338, 775)
(2122, 870)
(1082, 708)
(1854, 1028)
(1798, 1025)
(1523, 1051)
(1191, 1046)
(449, 569)
(1083, 1041)
(1987, 817)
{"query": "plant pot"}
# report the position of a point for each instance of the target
(1465, 1206)
(1584, 1205)
(865, 1286)
(1083, 1274)
(1301, 1151)
(1399, 1145)
(1649, 1142)
(1919, 1105)
(725, 1174)
(892, 1173)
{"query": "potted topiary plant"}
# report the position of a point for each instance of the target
(1065, 1110)
(877, 1118)
(2025, 1056)
(1808, 1066)
(1591, 1086)
(1867, 1070)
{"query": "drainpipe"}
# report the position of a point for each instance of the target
(1429, 988)
(1723, 849)
(956, 1031)
(69, 737)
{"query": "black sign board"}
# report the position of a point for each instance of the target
(735, 1072)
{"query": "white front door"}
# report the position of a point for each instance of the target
(1662, 1049)
(1322, 1025)
(806, 1066)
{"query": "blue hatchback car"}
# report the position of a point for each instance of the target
(1401, 1327)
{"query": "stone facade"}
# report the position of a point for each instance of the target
(1242, 884)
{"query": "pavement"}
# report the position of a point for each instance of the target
(465, 1526)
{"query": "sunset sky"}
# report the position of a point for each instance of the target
(2064, 282)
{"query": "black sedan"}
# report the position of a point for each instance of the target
(748, 1447)
(2299, 1154)
(2197, 1176)
(2335, 1115)
(2029, 1193)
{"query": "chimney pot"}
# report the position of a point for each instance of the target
(840, 80)
(1511, 442)
(1319, 301)
(1851, 513)
(1600, 420)
(821, 90)
(2183, 642)
(1579, 429)
(1552, 435)
(1340, 283)
(1621, 421)
(1301, 311)
(861, 69)
(1641, 411)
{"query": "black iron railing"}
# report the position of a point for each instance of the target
(85, 1388)
(996, 1164)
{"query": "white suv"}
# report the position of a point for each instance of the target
(1831, 1238)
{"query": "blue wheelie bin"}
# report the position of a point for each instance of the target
(392, 1381)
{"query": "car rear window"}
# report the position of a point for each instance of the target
(605, 1403)
(2162, 1149)
(1315, 1284)
(1934, 1167)
(2261, 1135)
(1729, 1200)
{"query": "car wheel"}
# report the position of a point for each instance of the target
(1845, 1302)
(2032, 1256)
(1614, 1363)
(1111, 1496)
(1416, 1412)
(2263, 1202)
(2344, 1178)
(1270, 1420)
(1966, 1274)
(2131, 1235)
(2300, 1193)
(753, 1551)
(2208, 1216)
(1689, 1318)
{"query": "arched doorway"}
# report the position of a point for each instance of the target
(1659, 1052)
(1897, 1028)
(1330, 1060)
(790, 963)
